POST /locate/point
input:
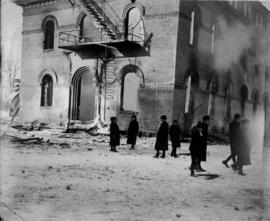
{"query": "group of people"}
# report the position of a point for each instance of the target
(162, 136)
(133, 131)
(240, 147)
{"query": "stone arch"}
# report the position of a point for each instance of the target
(131, 6)
(81, 16)
(79, 73)
(132, 68)
(195, 78)
(49, 71)
(48, 18)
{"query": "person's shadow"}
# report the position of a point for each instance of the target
(183, 154)
(208, 176)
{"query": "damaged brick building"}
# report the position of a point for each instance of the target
(89, 59)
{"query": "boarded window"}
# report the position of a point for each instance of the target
(49, 35)
(46, 91)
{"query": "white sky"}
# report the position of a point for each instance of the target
(12, 25)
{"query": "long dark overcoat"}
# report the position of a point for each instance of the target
(114, 135)
(204, 142)
(175, 135)
(243, 152)
(162, 137)
(133, 131)
(234, 135)
(196, 144)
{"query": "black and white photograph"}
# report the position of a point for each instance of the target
(135, 110)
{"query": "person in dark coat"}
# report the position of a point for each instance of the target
(234, 135)
(175, 135)
(162, 137)
(243, 152)
(196, 144)
(203, 154)
(114, 134)
(133, 131)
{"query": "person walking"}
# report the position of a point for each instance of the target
(133, 130)
(175, 135)
(243, 152)
(203, 154)
(114, 134)
(162, 137)
(234, 135)
(196, 144)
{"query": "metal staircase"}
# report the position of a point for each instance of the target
(109, 72)
(107, 19)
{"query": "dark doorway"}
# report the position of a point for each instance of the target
(83, 95)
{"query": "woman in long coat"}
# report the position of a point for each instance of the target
(196, 145)
(175, 134)
(162, 137)
(243, 151)
(133, 131)
(114, 134)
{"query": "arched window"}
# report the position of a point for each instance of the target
(194, 26)
(49, 34)
(134, 26)
(192, 82)
(255, 100)
(84, 30)
(243, 99)
(130, 91)
(213, 89)
(46, 91)
(188, 90)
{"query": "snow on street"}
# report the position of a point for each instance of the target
(83, 180)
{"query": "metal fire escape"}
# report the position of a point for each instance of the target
(116, 41)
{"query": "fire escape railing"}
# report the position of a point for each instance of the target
(110, 18)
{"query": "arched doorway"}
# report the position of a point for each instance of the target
(130, 92)
(131, 79)
(83, 95)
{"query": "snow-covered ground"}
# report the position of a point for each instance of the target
(85, 181)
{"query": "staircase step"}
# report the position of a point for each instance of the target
(91, 8)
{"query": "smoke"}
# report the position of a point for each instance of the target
(231, 41)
